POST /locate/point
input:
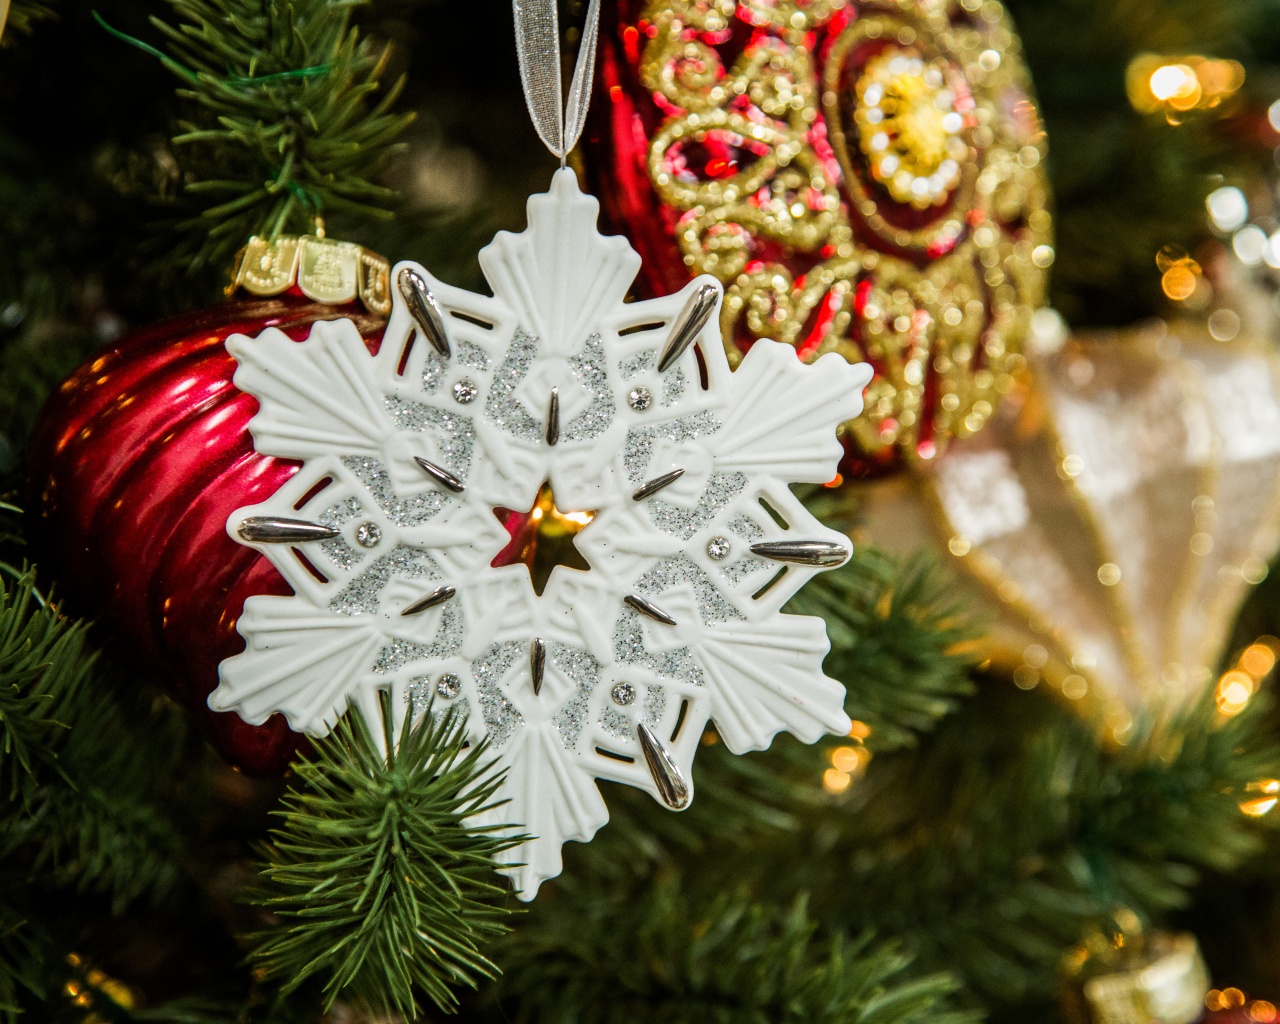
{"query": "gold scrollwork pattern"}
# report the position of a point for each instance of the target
(865, 179)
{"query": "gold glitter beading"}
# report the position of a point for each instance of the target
(928, 267)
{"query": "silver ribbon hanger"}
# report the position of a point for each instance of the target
(559, 124)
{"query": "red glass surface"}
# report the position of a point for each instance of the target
(136, 463)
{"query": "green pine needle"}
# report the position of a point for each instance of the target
(379, 883)
(665, 952)
(287, 120)
(43, 668)
(1082, 832)
(901, 642)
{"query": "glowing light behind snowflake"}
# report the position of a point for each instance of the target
(696, 542)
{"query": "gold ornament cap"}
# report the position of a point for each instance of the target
(1158, 978)
(323, 269)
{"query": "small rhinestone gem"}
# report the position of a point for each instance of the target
(465, 391)
(624, 694)
(640, 399)
(368, 535)
(718, 548)
(449, 686)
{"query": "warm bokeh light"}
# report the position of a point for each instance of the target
(1233, 692)
(1268, 791)
(1258, 659)
(845, 759)
(1176, 85)
(1179, 282)
(1239, 683)
(835, 781)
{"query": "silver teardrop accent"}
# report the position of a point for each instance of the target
(437, 596)
(803, 552)
(672, 786)
(648, 608)
(273, 530)
(424, 309)
(553, 417)
(537, 664)
(440, 475)
(645, 490)
(697, 311)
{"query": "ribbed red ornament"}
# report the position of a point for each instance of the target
(136, 463)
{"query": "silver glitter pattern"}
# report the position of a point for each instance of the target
(363, 593)
(721, 489)
(746, 528)
(448, 641)
(655, 705)
(672, 386)
(472, 356)
(628, 648)
(615, 723)
(501, 717)
(455, 433)
(588, 367)
(337, 550)
(635, 365)
(410, 510)
(502, 408)
(640, 442)
(419, 694)
(433, 370)
(735, 572)
(583, 671)
(671, 572)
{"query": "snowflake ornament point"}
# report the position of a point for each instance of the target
(695, 544)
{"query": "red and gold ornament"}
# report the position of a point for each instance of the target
(143, 453)
(864, 178)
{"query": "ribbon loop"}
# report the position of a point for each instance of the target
(538, 48)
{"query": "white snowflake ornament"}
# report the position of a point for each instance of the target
(387, 533)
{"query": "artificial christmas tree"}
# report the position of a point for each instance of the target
(947, 859)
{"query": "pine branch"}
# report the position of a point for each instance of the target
(21, 961)
(663, 951)
(288, 120)
(379, 883)
(43, 670)
(900, 642)
(992, 850)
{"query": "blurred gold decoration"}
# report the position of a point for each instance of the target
(1240, 682)
(1266, 793)
(889, 198)
(1180, 275)
(1175, 85)
(1233, 1005)
(1114, 515)
(89, 987)
(1128, 977)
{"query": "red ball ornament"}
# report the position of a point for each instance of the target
(864, 179)
(135, 465)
